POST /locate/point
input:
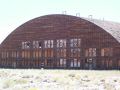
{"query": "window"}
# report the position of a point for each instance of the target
(37, 44)
(75, 42)
(26, 54)
(72, 63)
(14, 54)
(48, 52)
(61, 52)
(106, 52)
(37, 54)
(75, 52)
(61, 43)
(26, 45)
(90, 52)
(4, 54)
(78, 63)
(75, 63)
(62, 62)
(108, 63)
(48, 43)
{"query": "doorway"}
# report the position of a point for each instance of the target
(90, 63)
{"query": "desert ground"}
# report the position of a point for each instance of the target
(41, 79)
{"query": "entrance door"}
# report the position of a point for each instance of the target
(90, 63)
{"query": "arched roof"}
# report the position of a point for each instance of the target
(60, 20)
(112, 28)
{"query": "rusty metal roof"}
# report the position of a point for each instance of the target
(112, 28)
(61, 20)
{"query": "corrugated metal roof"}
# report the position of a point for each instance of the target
(112, 28)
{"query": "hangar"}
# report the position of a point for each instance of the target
(63, 41)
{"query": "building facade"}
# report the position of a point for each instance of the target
(63, 41)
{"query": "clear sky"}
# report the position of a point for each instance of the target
(13, 13)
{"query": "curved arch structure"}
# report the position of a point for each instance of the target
(62, 41)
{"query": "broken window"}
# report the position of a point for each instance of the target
(90, 52)
(75, 52)
(37, 53)
(75, 42)
(26, 45)
(37, 44)
(48, 43)
(63, 62)
(78, 63)
(75, 63)
(61, 52)
(72, 63)
(61, 43)
(48, 52)
(106, 52)
(26, 54)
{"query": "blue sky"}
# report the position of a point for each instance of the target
(13, 13)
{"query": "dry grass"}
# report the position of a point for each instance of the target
(37, 79)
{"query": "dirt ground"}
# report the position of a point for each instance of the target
(41, 79)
